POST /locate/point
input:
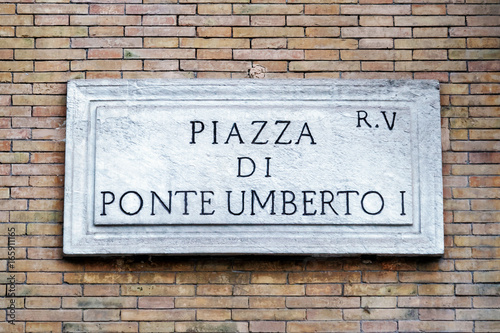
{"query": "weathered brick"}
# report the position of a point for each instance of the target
(105, 42)
(435, 277)
(212, 290)
(327, 21)
(48, 54)
(271, 278)
(44, 278)
(428, 21)
(474, 32)
(90, 277)
(108, 9)
(124, 65)
(255, 289)
(160, 31)
(380, 314)
(487, 277)
(322, 32)
(56, 31)
(99, 327)
(214, 43)
(435, 326)
(159, 53)
(43, 302)
(487, 326)
(268, 54)
(311, 66)
(211, 65)
(379, 326)
(214, 31)
(474, 54)
(209, 314)
(17, 43)
(268, 9)
(157, 290)
(482, 20)
(323, 326)
(380, 32)
(267, 326)
(321, 43)
(215, 9)
(214, 20)
(101, 315)
(477, 289)
(431, 66)
(266, 20)
(375, 9)
(269, 314)
(321, 10)
(101, 31)
(380, 289)
(376, 21)
(145, 315)
(461, 9)
(156, 302)
(434, 302)
(486, 302)
(430, 43)
(268, 32)
(323, 302)
(477, 314)
(375, 55)
(267, 302)
(115, 20)
(101, 290)
(211, 302)
(211, 326)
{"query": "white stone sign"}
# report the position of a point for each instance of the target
(326, 167)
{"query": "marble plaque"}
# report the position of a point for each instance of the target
(318, 167)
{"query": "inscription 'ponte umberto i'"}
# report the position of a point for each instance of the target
(253, 167)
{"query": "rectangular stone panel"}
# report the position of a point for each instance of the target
(325, 167)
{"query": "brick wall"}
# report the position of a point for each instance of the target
(46, 43)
